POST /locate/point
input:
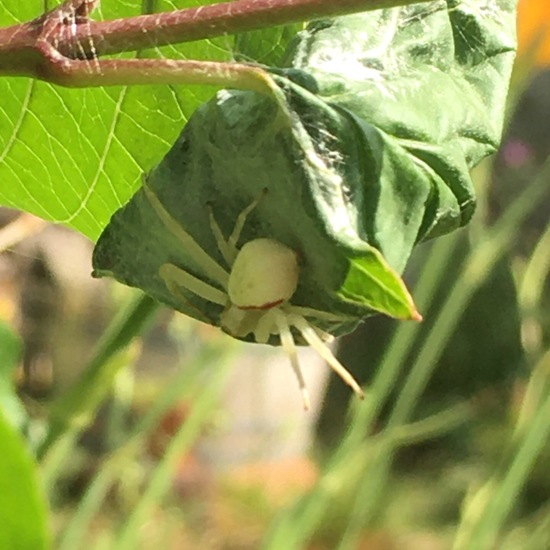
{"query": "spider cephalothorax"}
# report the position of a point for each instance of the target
(257, 290)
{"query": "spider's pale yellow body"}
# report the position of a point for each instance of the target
(265, 273)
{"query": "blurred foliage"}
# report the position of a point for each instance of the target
(22, 502)
(484, 355)
(10, 405)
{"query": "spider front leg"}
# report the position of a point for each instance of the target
(312, 338)
(211, 268)
(287, 341)
(175, 277)
(228, 247)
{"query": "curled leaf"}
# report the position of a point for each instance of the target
(388, 112)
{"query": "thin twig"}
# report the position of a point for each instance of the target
(48, 47)
(216, 20)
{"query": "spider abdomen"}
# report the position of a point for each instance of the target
(265, 274)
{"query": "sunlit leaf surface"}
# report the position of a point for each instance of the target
(75, 156)
(392, 109)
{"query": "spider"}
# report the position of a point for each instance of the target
(257, 291)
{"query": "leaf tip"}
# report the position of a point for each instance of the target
(415, 316)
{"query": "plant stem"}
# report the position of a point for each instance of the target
(216, 20)
(206, 399)
(487, 509)
(181, 389)
(48, 47)
(307, 513)
(77, 403)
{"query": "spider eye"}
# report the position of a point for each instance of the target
(264, 272)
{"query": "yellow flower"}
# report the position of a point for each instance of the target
(534, 30)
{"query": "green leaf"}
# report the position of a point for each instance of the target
(22, 504)
(298, 209)
(372, 282)
(390, 110)
(74, 156)
(10, 405)
(268, 46)
(426, 85)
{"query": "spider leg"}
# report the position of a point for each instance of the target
(228, 248)
(324, 351)
(264, 327)
(211, 268)
(321, 315)
(240, 322)
(175, 277)
(325, 336)
(175, 291)
(239, 224)
(290, 349)
(229, 253)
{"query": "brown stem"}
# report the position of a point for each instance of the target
(217, 19)
(47, 47)
(76, 73)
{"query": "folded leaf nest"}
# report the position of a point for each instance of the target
(388, 112)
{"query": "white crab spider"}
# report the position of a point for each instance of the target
(257, 291)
